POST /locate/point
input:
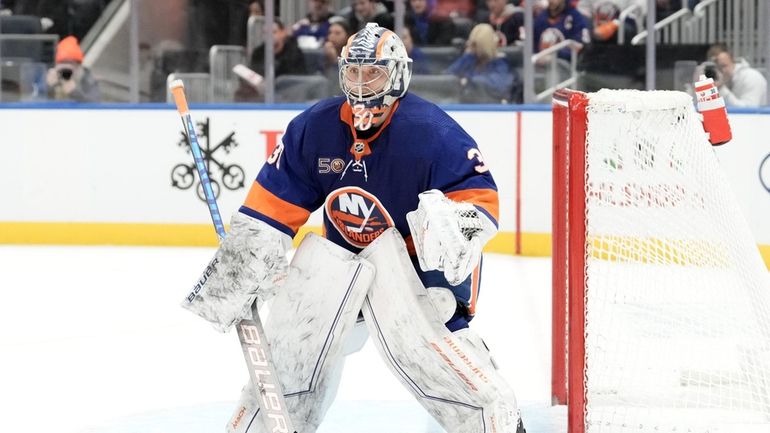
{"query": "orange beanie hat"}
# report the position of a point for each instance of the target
(69, 50)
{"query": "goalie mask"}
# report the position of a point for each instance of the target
(374, 71)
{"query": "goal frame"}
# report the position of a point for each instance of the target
(568, 256)
(652, 255)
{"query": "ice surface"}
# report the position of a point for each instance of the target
(92, 340)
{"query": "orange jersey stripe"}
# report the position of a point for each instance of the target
(484, 198)
(272, 206)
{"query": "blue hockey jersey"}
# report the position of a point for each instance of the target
(569, 24)
(368, 185)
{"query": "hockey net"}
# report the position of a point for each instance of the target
(661, 300)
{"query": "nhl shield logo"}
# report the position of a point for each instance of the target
(357, 215)
(359, 147)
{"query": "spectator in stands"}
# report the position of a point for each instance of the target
(419, 60)
(257, 8)
(484, 73)
(69, 79)
(426, 28)
(288, 60)
(538, 6)
(311, 31)
(288, 57)
(368, 11)
(335, 40)
(559, 22)
(506, 18)
(604, 16)
(739, 84)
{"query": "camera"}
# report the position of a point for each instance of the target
(65, 73)
(711, 70)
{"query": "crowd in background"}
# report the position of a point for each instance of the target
(486, 36)
(484, 31)
(67, 78)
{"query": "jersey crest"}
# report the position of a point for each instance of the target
(357, 215)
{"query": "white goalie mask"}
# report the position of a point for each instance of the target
(374, 69)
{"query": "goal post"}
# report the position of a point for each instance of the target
(569, 122)
(661, 301)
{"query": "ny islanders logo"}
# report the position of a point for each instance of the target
(357, 215)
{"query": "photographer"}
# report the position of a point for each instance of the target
(69, 79)
(739, 84)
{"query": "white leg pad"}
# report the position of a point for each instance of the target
(450, 374)
(309, 321)
(357, 338)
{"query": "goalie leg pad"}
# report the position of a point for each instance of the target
(450, 374)
(357, 338)
(307, 328)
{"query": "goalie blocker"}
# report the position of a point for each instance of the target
(314, 317)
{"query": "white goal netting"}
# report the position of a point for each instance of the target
(677, 296)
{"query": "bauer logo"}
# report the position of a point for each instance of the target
(357, 215)
(264, 378)
(764, 173)
(210, 269)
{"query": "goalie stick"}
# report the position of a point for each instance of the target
(251, 334)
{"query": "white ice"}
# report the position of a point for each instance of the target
(92, 340)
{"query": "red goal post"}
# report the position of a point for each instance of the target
(569, 122)
(661, 301)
